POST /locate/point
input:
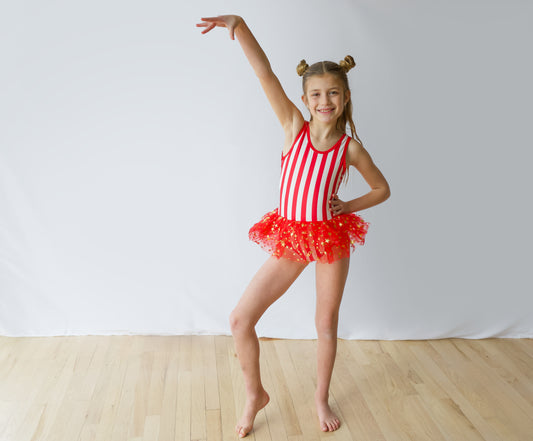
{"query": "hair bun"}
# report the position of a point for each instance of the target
(347, 64)
(302, 67)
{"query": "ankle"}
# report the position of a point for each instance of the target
(321, 397)
(255, 393)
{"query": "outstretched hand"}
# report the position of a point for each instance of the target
(224, 21)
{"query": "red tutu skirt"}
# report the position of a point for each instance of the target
(321, 241)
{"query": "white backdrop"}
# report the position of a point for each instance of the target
(135, 153)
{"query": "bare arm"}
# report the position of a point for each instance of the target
(358, 157)
(288, 114)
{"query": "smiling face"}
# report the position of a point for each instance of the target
(325, 97)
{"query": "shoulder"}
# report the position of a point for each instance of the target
(358, 157)
(297, 125)
(292, 131)
(354, 151)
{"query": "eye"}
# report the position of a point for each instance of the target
(334, 92)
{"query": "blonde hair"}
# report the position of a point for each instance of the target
(339, 70)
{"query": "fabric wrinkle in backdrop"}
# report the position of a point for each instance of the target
(135, 154)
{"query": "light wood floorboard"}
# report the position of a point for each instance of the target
(190, 388)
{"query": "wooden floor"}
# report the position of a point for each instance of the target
(184, 388)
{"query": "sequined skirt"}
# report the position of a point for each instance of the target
(321, 241)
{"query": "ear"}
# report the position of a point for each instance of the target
(304, 99)
(347, 95)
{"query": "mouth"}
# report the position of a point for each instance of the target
(324, 111)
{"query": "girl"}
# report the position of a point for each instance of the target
(311, 223)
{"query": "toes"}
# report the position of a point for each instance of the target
(330, 426)
(242, 432)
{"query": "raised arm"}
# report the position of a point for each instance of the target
(288, 114)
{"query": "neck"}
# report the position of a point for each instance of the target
(323, 130)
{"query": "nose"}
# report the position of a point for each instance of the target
(324, 99)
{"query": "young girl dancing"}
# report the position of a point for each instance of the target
(311, 222)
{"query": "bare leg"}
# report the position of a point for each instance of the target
(330, 281)
(270, 283)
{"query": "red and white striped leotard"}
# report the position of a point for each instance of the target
(303, 228)
(309, 177)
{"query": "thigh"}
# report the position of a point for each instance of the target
(330, 281)
(269, 283)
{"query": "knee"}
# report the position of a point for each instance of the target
(326, 327)
(238, 322)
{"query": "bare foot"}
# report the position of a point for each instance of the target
(252, 406)
(328, 420)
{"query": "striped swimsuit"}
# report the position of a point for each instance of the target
(303, 227)
(310, 177)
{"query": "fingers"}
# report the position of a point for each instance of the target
(211, 22)
(207, 26)
(210, 18)
(336, 205)
(215, 21)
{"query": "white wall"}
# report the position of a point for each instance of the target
(135, 153)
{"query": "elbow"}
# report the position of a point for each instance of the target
(264, 71)
(385, 193)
